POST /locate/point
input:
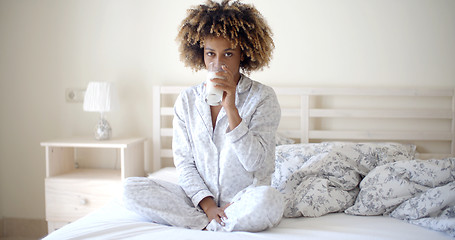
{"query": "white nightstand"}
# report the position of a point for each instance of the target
(73, 192)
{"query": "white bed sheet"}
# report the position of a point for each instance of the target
(113, 221)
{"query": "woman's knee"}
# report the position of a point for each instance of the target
(272, 200)
(256, 209)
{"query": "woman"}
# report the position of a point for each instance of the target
(224, 154)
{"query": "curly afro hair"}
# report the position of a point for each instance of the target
(237, 22)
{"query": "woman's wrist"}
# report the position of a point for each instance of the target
(233, 117)
(207, 203)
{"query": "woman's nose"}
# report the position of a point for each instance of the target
(217, 60)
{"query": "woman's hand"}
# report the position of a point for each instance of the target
(228, 85)
(216, 213)
(213, 211)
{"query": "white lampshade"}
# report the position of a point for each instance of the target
(98, 97)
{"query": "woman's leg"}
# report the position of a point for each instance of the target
(162, 202)
(254, 209)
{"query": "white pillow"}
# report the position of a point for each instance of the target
(389, 185)
(319, 178)
(364, 156)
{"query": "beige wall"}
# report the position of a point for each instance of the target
(49, 45)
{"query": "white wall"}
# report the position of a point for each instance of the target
(49, 45)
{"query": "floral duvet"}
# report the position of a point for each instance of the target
(366, 179)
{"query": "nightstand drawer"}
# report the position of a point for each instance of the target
(70, 197)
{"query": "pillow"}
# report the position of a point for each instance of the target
(290, 157)
(431, 203)
(389, 185)
(366, 156)
(325, 183)
(363, 156)
(318, 178)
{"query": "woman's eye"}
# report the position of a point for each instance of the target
(210, 54)
(228, 54)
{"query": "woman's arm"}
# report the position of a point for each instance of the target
(189, 178)
(254, 136)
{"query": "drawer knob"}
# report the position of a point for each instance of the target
(83, 201)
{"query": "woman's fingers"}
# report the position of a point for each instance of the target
(226, 206)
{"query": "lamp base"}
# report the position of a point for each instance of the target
(103, 130)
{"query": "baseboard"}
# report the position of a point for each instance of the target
(1, 227)
(22, 227)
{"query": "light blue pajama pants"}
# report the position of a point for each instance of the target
(253, 209)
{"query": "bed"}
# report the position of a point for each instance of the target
(352, 163)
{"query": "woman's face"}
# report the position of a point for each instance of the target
(220, 50)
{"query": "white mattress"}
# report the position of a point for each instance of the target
(113, 221)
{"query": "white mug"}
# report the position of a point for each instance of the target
(213, 96)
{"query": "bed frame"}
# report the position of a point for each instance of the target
(421, 116)
(425, 117)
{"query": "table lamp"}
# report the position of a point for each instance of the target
(98, 98)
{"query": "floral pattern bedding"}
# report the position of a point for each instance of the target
(366, 179)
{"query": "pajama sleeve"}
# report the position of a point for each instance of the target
(189, 177)
(254, 137)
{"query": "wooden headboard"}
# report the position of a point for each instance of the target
(424, 117)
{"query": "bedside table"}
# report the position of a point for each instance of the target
(72, 192)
